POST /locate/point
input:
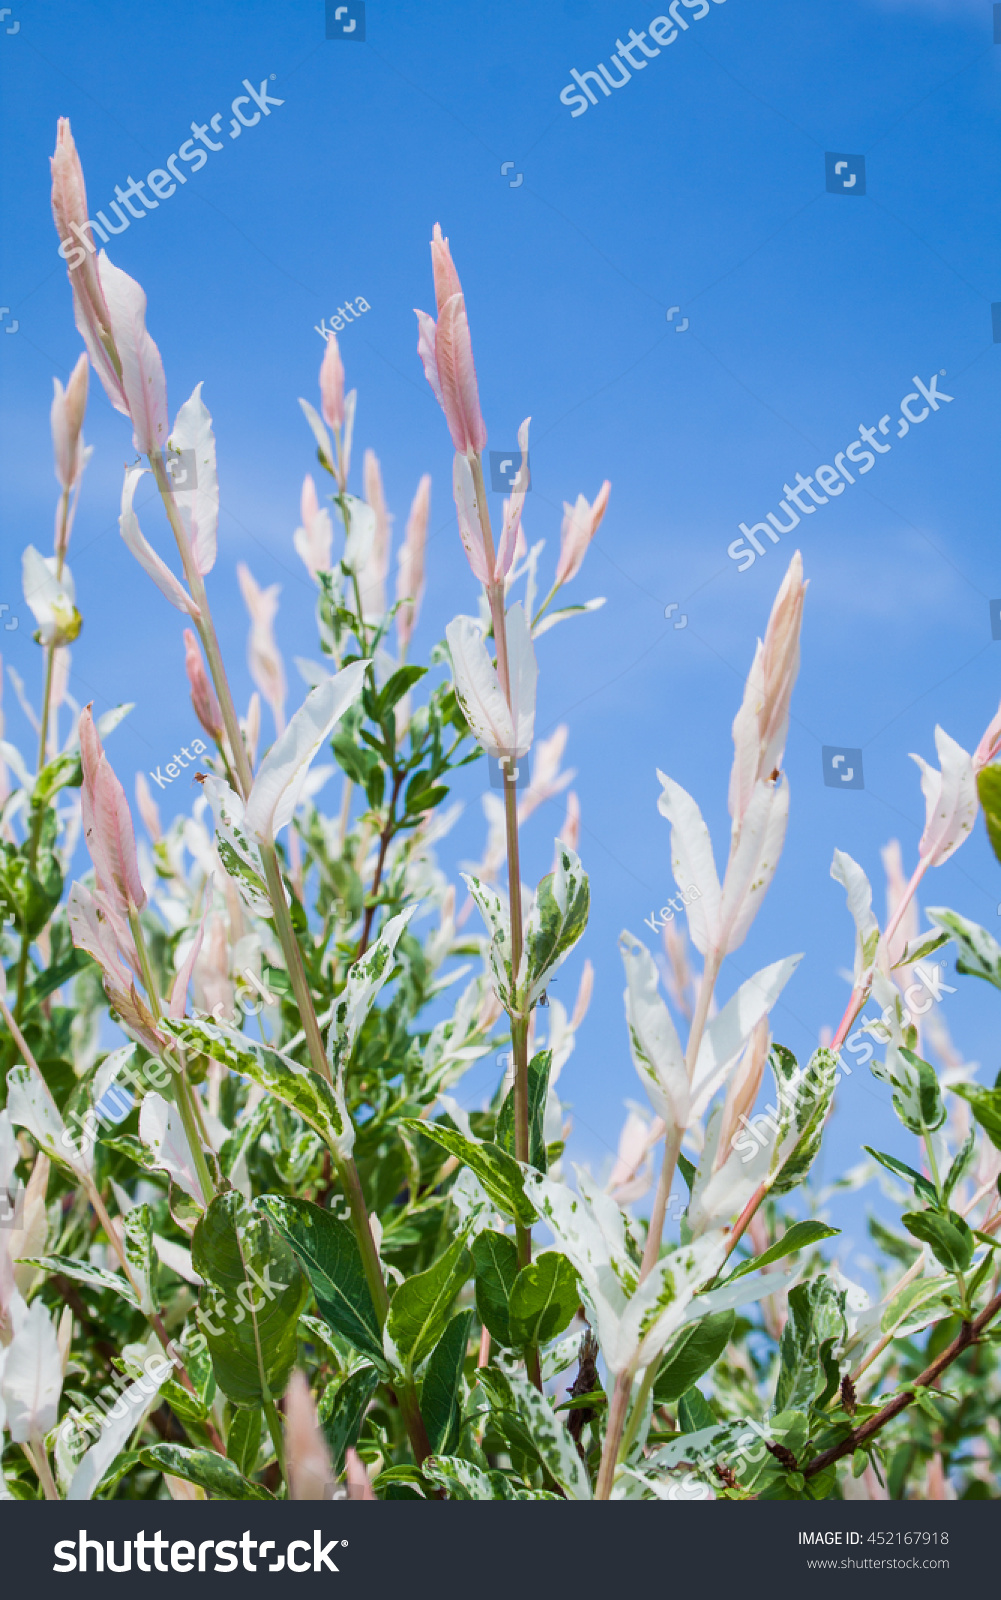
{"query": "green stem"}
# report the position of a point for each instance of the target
(275, 1430)
(403, 1388)
(294, 962)
(933, 1164)
(184, 1092)
(545, 606)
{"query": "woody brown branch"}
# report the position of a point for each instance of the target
(968, 1335)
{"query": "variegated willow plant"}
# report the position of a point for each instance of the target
(260, 1249)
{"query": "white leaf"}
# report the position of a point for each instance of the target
(161, 1130)
(352, 1006)
(169, 586)
(320, 433)
(553, 617)
(653, 1039)
(692, 862)
(478, 689)
(360, 533)
(52, 599)
(524, 673)
(658, 1308)
(849, 874)
(718, 1197)
(32, 1377)
(755, 1286)
(752, 864)
(143, 381)
(122, 1421)
(31, 1106)
(728, 1033)
(282, 773)
(950, 799)
(199, 505)
(176, 1258)
(470, 532)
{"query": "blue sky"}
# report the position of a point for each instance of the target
(699, 184)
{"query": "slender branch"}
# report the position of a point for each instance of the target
(860, 995)
(674, 1136)
(206, 628)
(185, 1094)
(655, 1229)
(385, 839)
(39, 1461)
(294, 962)
(613, 1434)
(968, 1335)
(403, 1388)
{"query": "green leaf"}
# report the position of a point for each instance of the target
(54, 978)
(526, 1419)
(986, 1107)
(798, 1237)
(297, 1086)
(687, 1169)
(463, 1480)
(418, 1311)
(950, 1237)
(213, 1473)
(342, 1411)
(250, 1302)
(441, 1392)
(495, 1261)
(239, 852)
(244, 1439)
(83, 1272)
(357, 763)
(804, 1100)
(989, 790)
(960, 1165)
(544, 1299)
(499, 1173)
(915, 1307)
(328, 1250)
(396, 686)
(425, 799)
(697, 1348)
(65, 772)
(556, 920)
(695, 1412)
(137, 1227)
(538, 1090)
(815, 1327)
(922, 1186)
(979, 952)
